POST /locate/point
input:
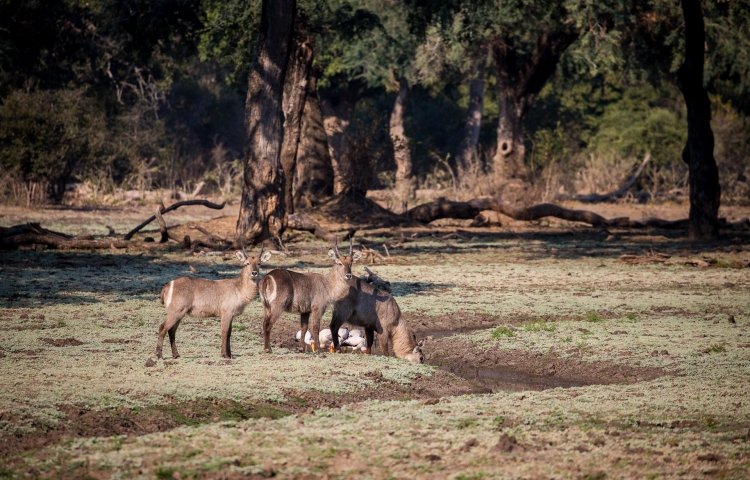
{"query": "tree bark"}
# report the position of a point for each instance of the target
(313, 180)
(520, 78)
(467, 154)
(262, 205)
(705, 192)
(405, 184)
(510, 152)
(337, 115)
(296, 79)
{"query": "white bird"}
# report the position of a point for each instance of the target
(325, 337)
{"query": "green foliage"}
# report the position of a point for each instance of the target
(643, 120)
(165, 473)
(593, 317)
(501, 332)
(50, 135)
(230, 31)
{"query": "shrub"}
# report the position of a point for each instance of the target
(47, 136)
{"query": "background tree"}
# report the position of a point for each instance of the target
(262, 205)
(699, 150)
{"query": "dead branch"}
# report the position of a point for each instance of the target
(174, 206)
(162, 225)
(297, 221)
(212, 237)
(620, 192)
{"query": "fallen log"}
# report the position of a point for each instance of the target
(33, 234)
(442, 208)
(174, 206)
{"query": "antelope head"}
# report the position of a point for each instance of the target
(343, 263)
(416, 355)
(252, 263)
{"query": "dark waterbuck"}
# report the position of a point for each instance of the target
(376, 311)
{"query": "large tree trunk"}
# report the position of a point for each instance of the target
(467, 154)
(295, 91)
(262, 206)
(405, 184)
(510, 152)
(705, 192)
(520, 78)
(337, 112)
(314, 174)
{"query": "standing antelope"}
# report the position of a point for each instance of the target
(210, 298)
(305, 293)
(376, 311)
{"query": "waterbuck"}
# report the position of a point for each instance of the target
(210, 298)
(376, 311)
(305, 293)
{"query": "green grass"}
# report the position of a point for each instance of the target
(501, 332)
(539, 326)
(232, 416)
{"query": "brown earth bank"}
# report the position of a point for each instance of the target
(83, 422)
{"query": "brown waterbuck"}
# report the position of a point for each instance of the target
(200, 297)
(308, 294)
(376, 311)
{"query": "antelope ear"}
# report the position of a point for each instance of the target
(265, 257)
(356, 255)
(332, 254)
(240, 256)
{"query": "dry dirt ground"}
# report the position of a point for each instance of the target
(553, 351)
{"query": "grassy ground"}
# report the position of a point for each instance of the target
(77, 397)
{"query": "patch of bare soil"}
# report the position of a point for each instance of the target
(61, 342)
(444, 325)
(495, 369)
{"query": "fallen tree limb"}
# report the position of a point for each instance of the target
(620, 192)
(34, 234)
(174, 206)
(442, 208)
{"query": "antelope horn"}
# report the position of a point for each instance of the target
(261, 251)
(336, 246)
(351, 244)
(244, 252)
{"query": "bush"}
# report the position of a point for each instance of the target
(48, 136)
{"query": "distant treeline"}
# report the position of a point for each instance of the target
(570, 95)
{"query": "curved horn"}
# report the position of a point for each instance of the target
(336, 246)
(261, 251)
(351, 244)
